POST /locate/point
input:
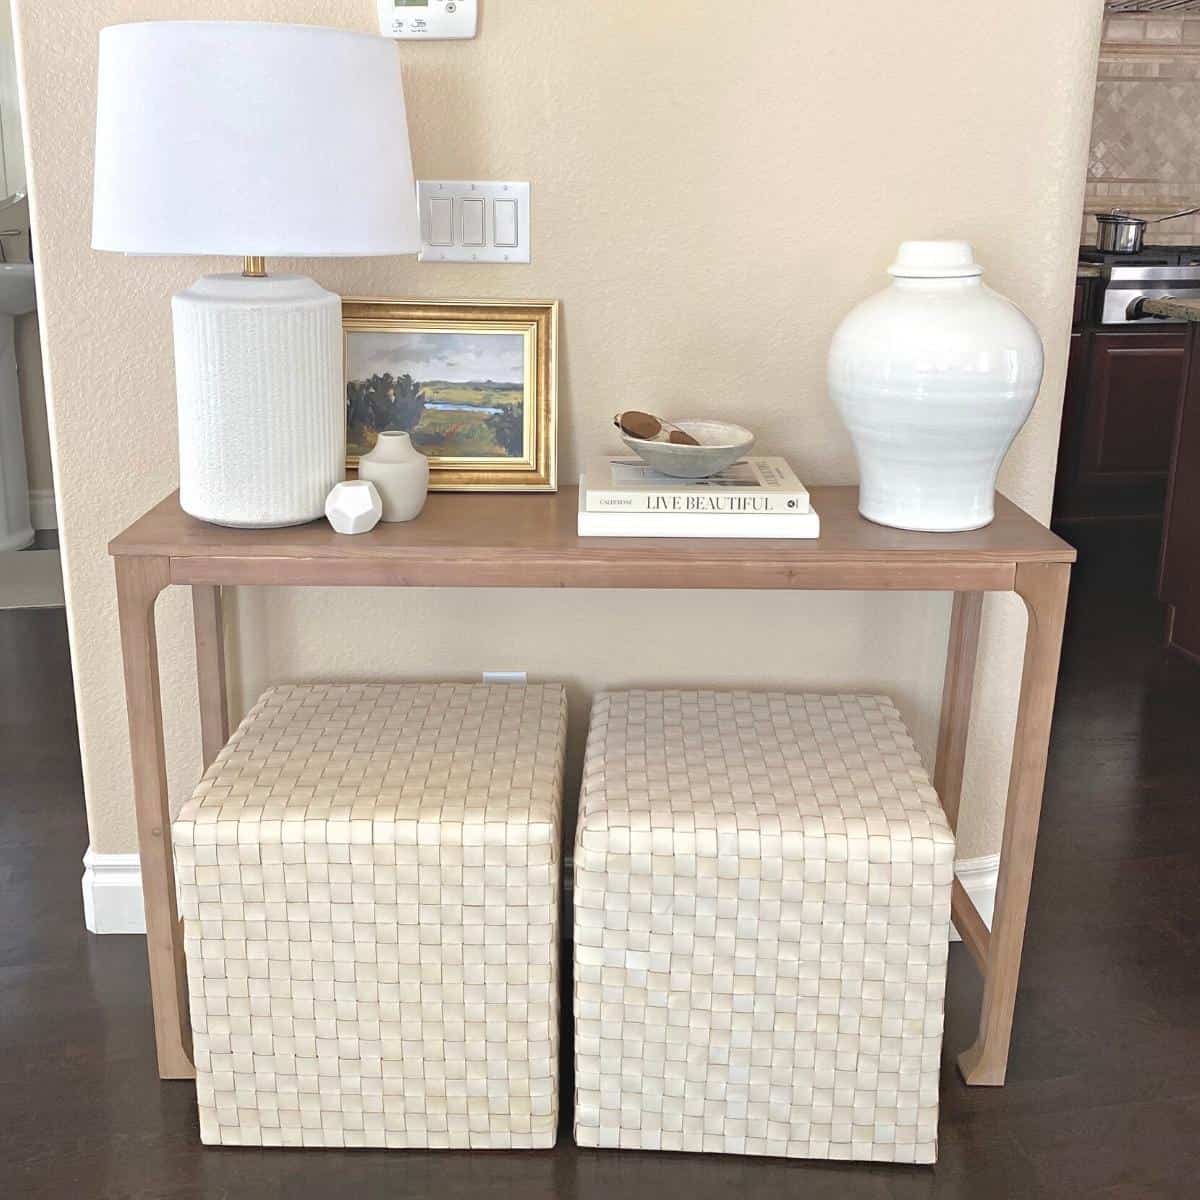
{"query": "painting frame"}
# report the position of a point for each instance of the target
(536, 321)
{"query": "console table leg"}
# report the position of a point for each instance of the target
(1043, 587)
(956, 701)
(139, 581)
(210, 670)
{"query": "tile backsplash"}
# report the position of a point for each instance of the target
(1145, 155)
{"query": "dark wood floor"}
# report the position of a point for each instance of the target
(1104, 1091)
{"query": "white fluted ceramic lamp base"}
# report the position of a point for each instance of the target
(258, 368)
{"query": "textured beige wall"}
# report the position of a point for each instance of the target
(707, 206)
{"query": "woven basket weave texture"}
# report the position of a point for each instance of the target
(368, 878)
(762, 904)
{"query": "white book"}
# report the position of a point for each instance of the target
(750, 487)
(696, 525)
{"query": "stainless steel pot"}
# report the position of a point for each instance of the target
(1119, 232)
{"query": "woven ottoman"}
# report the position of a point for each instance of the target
(762, 907)
(368, 882)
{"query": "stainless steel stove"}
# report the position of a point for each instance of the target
(1154, 271)
(1147, 256)
(1125, 287)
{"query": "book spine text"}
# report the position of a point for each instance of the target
(681, 502)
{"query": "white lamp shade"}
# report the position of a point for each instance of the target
(238, 138)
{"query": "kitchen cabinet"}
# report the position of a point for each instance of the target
(1179, 577)
(1135, 380)
(1119, 416)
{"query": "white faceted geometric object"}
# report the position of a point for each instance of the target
(354, 506)
(762, 911)
(258, 376)
(368, 881)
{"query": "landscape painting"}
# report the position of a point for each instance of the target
(472, 382)
(458, 394)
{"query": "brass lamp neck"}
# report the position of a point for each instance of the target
(254, 266)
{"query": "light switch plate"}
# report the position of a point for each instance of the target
(483, 222)
(428, 20)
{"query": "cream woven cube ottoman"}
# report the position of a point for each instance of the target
(762, 906)
(368, 881)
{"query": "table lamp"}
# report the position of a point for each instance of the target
(255, 140)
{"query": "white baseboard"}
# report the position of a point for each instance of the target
(42, 511)
(112, 893)
(112, 890)
(978, 877)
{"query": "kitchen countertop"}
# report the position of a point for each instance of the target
(1181, 310)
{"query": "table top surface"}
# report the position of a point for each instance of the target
(533, 528)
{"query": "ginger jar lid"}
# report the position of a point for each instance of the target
(935, 260)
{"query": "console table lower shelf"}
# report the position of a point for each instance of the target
(487, 540)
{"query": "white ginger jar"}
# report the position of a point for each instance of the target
(933, 376)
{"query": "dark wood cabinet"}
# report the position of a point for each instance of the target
(1073, 403)
(1179, 579)
(1133, 399)
(1082, 293)
(1119, 415)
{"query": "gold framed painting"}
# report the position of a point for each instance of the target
(472, 382)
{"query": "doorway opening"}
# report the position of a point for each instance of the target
(1120, 459)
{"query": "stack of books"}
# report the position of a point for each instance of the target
(754, 498)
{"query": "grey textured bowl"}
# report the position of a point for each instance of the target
(721, 445)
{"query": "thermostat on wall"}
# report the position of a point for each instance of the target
(428, 18)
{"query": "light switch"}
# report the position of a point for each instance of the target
(441, 221)
(474, 221)
(504, 222)
(428, 19)
(471, 214)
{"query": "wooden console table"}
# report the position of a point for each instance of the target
(487, 540)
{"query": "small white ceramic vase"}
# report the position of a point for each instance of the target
(400, 472)
(353, 506)
(933, 377)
